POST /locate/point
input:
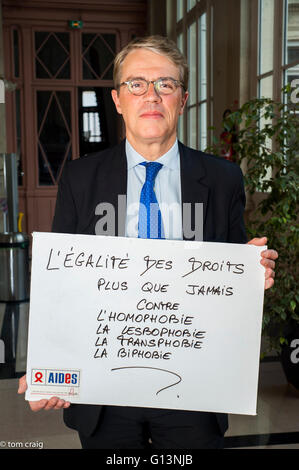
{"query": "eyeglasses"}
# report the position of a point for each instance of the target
(163, 86)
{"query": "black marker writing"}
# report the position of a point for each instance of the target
(70, 259)
(157, 264)
(150, 318)
(235, 268)
(104, 284)
(195, 289)
(154, 368)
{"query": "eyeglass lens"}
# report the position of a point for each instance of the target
(162, 86)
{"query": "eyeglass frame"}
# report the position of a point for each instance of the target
(148, 82)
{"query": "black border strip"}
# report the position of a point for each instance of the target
(255, 440)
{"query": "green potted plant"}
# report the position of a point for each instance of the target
(267, 141)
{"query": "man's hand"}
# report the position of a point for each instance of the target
(268, 260)
(53, 404)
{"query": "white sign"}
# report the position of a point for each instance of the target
(151, 323)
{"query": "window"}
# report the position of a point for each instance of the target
(97, 119)
(98, 52)
(190, 4)
(191, 32)
(91, 117)
(278, 46)
(52, 55)
(54, 134)
(278, 50)
(291, 44)
(265, 53)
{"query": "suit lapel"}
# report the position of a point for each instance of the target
(112, 186)
(193, 188)
(120, 194)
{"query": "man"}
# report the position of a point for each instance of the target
(150, 92)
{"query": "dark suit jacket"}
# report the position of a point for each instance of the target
(102, 177)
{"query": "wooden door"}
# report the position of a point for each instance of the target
(62, 106)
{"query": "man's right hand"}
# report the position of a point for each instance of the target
(53, 403)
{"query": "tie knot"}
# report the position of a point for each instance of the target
(152, 169)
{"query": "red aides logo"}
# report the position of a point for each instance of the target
(55, 377)
(38, 376)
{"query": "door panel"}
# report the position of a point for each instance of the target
(62, 106)
(98, 52)
(52, 55)
(53, 111)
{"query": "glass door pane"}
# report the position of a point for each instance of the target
(192, 130)
(266, 36)
(203, 126)
(202, 58)
(292, 32)
(266, 87)
(192, 63)
(52, 55)
(179, 9)
(190, 4)
(54, 134)
(98, 52)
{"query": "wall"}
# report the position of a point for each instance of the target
(156, 14)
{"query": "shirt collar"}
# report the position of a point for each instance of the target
(170, 159)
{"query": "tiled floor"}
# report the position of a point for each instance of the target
(277, 416)
(275, 426)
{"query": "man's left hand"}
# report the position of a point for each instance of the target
(268, 260)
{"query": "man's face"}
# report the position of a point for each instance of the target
(150, 117)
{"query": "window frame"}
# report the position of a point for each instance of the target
(280, 65)
(182, 27)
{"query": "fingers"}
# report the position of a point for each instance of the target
(38, 405)
(258, 241)
(268, 263)
(56, 403)
(269, 273)
(53, 403)
(269, 283)
(22, 384)
(269, 278)
(269, 254)
(61, 404)
(268, 260)
(268, 257)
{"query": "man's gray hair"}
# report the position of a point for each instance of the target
(158, 44)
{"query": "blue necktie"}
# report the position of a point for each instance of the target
(150, 220)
